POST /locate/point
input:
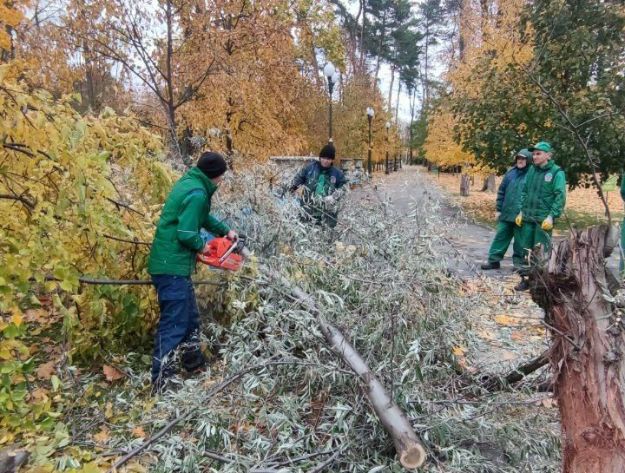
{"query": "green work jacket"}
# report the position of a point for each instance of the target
(509, 194)
(177, 240)
(544, 192)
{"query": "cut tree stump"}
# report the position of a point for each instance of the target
(489, 184)
(465, 185)
(587, 350)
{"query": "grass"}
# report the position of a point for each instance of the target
(583, 208)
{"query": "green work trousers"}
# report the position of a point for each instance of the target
(531, 235)
(506, 231)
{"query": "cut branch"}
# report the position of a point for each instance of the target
(19, 198)
(408, 446)
(516, 375)
(189, 413)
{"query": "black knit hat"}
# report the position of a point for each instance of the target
(328, 151)
(212, 164)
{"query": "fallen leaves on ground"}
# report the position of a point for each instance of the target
(102, 436)
(46, 370)
(111, 373)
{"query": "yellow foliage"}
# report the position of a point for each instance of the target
(495, 38)
(10, 17)
(67, 183)
(440, 146)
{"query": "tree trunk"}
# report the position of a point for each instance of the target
(426, 84)
(390, 89)
(397, 99)
(408, 446)
(169, 84)
(587, 349)
(465, 185)
(362, 35)
(489, 184)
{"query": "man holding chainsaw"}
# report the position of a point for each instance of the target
(323, 186)
(176, 244)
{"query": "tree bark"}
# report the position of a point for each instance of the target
(587, 349)
(465, 185)
(390, 89)
(397, 99)
(489, 184)
(408, 446)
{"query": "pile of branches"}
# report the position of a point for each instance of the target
(287, 403)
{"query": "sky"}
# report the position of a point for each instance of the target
(384, 80)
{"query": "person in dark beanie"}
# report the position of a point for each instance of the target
(323, 187)
(177, 241)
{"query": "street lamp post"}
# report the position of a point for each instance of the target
(370, 114)
(332, 75)
(388, 127)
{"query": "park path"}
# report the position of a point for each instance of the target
(506, 326)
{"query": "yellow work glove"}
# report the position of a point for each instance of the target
(519, 220)
(547, 224)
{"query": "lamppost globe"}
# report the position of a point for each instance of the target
(332, 74)
(370, 112)
(329, 70)
(388, 125)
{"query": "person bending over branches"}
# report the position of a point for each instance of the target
(323, 187)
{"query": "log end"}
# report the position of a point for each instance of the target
(412, 457)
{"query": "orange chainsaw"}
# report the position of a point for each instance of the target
(224, 253)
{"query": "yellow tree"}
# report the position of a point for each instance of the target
(10, 17)
(440, 146)
(490, 40)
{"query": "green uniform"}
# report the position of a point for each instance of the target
(177, 240)
(622, 266)
(544, 194)
(509, 205)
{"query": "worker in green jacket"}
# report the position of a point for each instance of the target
(622, 265)
(542, 202)
(508, 207)
(177, 241)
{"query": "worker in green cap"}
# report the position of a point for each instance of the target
(508, 207)
(542, 202)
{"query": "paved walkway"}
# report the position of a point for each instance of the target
(507, 326)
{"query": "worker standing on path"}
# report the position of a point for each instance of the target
(508, 207)
(177, 242)
(542, 202)
(323, 187)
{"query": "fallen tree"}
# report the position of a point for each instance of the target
(587, 349)
(408, 446)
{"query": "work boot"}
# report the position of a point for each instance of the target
(491, 265)
(524, 285)
(193, 360)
